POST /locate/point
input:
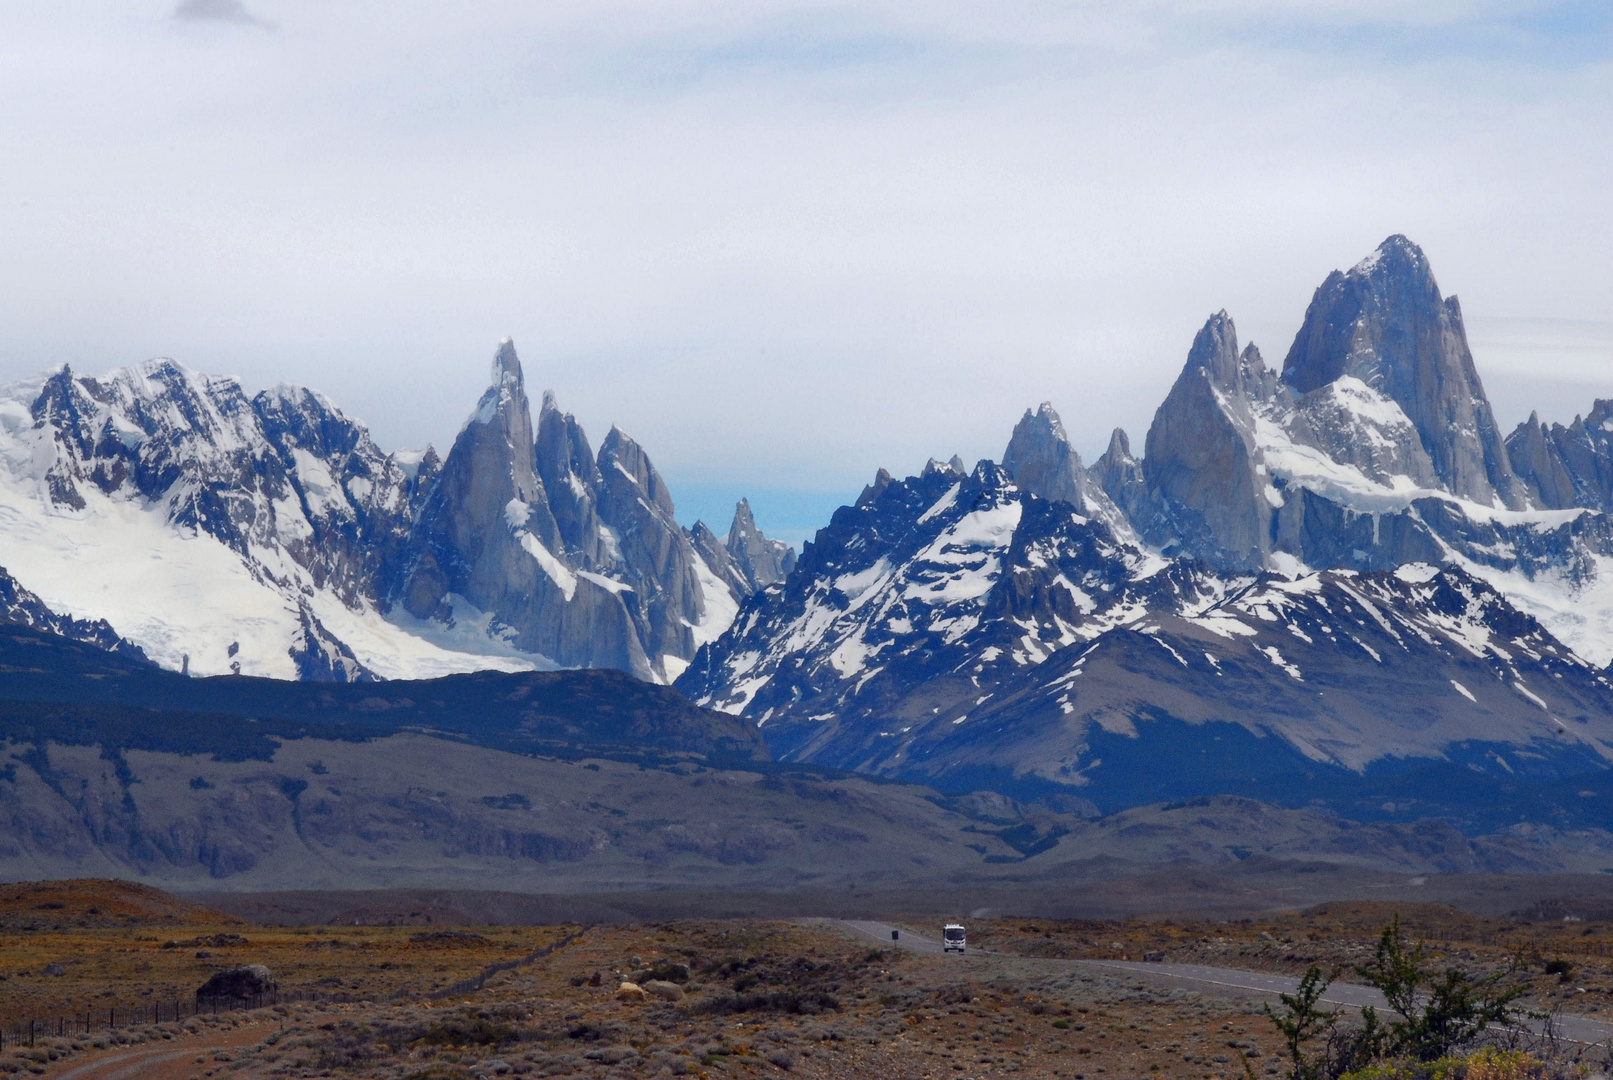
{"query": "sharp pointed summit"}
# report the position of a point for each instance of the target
(1385, 323)
(761, 560)
(1203, 464)
(1039, 459)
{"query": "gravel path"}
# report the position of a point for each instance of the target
(158, 1060)
(1225, 982)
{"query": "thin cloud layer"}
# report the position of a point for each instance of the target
(784, 244)
(228, 11)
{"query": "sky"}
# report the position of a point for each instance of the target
(785, 244)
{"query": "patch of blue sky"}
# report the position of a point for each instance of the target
(1546, 35)
(791, 514)
(826, 51)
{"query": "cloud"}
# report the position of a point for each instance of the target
(229, 11)
(784, 244)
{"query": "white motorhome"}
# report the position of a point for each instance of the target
(953, 938)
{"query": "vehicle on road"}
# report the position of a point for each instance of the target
(953, 938)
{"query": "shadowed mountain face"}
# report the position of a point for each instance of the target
(1565, 467)
(571, 781)
(321, 558)
(1384, 323)
(56, 688)
(1334, 571)
(1313, 578)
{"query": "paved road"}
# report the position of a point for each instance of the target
(1216, 980)
(881, 932)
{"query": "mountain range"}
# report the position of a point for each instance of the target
(270, 536)
(1314, 577)
(1315, 583)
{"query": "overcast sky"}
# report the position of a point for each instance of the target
(784, 244)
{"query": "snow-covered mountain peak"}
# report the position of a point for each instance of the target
(953, 467)
(319, 556)
(1337, 556)
(1386, 324)
(1040, 459)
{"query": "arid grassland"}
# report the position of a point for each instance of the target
(714, 998)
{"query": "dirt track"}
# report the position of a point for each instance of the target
(1215, 981)
(163, 1060)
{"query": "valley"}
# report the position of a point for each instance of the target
(1323, 618)
(806, 996)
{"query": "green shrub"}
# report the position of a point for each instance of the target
(1430, 1016)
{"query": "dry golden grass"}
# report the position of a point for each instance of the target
(87, 902)
(757, 998)
(126, 946)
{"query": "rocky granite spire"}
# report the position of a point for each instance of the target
(656, 557)
(1384, 322)
(486, 533)
(761, 560)
(1202, 462)
(1039, 459)
(1121, 477)
(565, 463)
(1565, 467)
(872, 492)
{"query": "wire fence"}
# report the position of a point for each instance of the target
(23, 1033)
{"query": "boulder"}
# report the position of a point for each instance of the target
(248, 981)
(631, 992)
(671, 991)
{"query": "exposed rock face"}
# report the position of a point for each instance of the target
(1569, 466)
(358, 502)
(523, 548)
(760, 560)
(1040, 459)
(321, 656)
(1355, 425)
(20, 607)
(285, 471)
(1328, 467)
(882, 480)
(1203, 462)
(714, 553)
(657, 560)
(1384, 322)
(1317, 552)
(486, 533)
(579, 558)
(924, 597)
(571, 480)
(1121, 477)
(967, 633)
(298, 494)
